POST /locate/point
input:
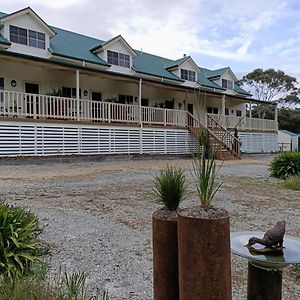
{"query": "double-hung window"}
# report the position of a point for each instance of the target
(188, 75)
(227, 84)
(27, 37)
(118, 59)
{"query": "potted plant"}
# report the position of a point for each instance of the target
(170, 188)
(204, 238)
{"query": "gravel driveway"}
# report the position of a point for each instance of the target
(97, 214)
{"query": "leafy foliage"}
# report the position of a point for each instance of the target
(267, 84)
(292, 183)
(285, 164)
(19, 246)
(38, 286)
(205, 174)
(170, 187)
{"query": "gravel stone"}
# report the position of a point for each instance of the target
(96, 214)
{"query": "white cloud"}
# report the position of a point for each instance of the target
(228, 32)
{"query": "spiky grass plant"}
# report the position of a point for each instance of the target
(19, 247)
(292, 183)
(170, 187)
(205, 173)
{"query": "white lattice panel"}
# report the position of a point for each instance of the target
(18, 138)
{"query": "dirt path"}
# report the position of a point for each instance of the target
(97, 214)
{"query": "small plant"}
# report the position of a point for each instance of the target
(39, 286)
(19, 247)
(205, 172)
(205, 175)
(292, 183)
(170, 187)
(285, 165)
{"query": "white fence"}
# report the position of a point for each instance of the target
(245, 123)
(14, 104)
(42, 139)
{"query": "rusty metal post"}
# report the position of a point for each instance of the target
(263, 283)
(165, 257)
(204, 258)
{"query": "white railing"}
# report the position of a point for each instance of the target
(15, 104)
(245, 123)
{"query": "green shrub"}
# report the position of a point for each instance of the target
(170, 187)
(292, 183)
(19, 246)
(285, 164)
(38, 286)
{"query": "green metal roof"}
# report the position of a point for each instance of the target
(4, 41)
(73, 45)
(289, 132)
(153, 65)
(202, 79)
(176, 63)
(216, 73)
(79, 47)
(2, 14)
(239, 90)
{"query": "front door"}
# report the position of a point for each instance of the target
(190, 108)
(32, 89)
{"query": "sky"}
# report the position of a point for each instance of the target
(244, 35)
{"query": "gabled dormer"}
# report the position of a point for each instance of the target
(118, 53)
(186, 69)
(26, 32)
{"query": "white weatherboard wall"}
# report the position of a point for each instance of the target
(42, 139)
(253, 142)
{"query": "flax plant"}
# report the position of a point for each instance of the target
(205, 172)
(170, 187)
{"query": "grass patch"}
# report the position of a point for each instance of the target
(292, 183)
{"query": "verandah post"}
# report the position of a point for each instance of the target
(77, 95)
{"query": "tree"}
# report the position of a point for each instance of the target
(270, 85)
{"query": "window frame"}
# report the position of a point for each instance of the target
(228, 84)
(189, 75)
(27, 37)
(118, 59)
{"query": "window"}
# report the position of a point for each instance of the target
(27, 37)
(188, 75)
(70, 92)
(238, 113)
(125, 99)
(227, 111)
(118, 59)
(228, 84)
(96, 96)
(212, 110)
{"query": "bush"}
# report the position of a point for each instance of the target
(285, 164)
(38, 286)
(170, 187)
(292, 183)
(19, 246)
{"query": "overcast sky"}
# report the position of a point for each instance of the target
(241, 34)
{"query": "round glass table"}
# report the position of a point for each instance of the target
(265, 269)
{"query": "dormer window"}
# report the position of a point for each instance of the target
(27, 37)
(227, 84)
(188, 75)
(118, 59)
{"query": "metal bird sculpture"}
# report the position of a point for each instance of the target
(273, 238)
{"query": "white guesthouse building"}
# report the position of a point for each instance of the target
(66, 93)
